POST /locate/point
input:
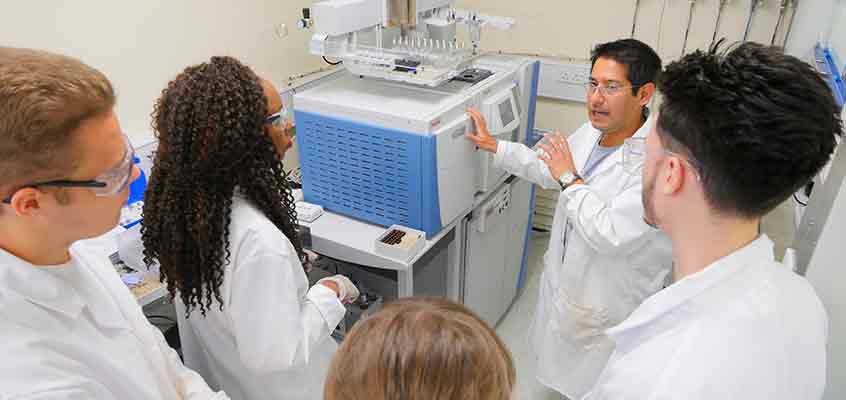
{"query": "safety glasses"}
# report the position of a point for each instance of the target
(276, 119)
(634, 155)
(611, 90)
(281, 120)
(109, 183)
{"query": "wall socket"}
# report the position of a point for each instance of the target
(564, 80)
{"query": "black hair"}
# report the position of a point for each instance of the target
(758, 123)
(643, 65)
(212, 141)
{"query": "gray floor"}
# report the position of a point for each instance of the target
(513, 327)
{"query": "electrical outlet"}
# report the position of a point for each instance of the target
(564, 79)
(574, 77)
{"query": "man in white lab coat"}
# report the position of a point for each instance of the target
(603, 259)
(737, 134)
(69, 328)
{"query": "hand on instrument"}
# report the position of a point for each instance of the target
(481, 137)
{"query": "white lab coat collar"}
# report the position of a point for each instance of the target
(760, 250)
(591, 140)
(38, 286)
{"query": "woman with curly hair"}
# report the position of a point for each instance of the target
(219, 220)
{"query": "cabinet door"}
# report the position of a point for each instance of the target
(485, 263)
(518, 223)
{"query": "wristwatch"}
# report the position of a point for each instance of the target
(567, 179)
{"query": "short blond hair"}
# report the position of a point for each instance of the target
(421, 349)
(44, 97)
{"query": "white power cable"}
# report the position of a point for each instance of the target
(790, 24)
(689, 22)
(634, 17)
(754, 6)
(720, 6)
(782, 10)
(661, 26)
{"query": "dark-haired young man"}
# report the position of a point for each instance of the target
(603, 260)
(737, 134)
(69, 328)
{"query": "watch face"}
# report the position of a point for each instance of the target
(567, 178)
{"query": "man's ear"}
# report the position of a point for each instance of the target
(27, 202)
(674, 181)
(645, 93)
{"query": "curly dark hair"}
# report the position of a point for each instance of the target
(210, 125)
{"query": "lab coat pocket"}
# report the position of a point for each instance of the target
(579, 324)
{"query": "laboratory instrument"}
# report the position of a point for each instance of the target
(394, 153)
(410, 41)
(411, 207)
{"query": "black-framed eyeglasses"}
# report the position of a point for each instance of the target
(109, 183)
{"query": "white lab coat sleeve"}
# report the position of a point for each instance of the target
(69, 393)
(275, 327)
(189, 384)
(81, 393)
(607, 225)
(519, 160)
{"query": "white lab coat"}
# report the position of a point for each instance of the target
(745, 328)
(272, 338)
(74, 331)
(597, 271)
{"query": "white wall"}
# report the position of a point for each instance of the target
(838, 33)
(813, 22)
(141, 45)
(826, 272)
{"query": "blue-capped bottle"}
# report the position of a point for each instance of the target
(131, 213)
(138, 186)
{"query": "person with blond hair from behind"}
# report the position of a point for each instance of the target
(421, 349)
